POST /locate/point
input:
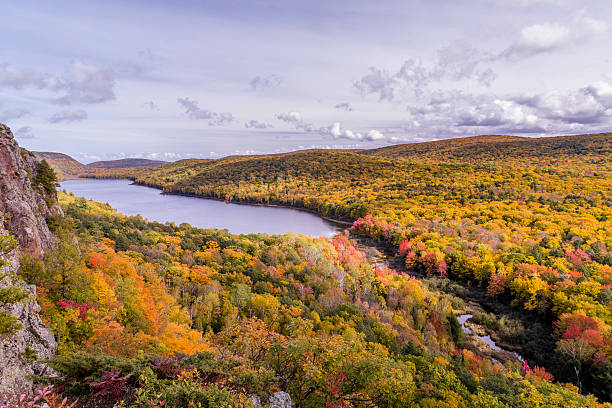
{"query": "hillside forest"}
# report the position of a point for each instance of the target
(153, 315)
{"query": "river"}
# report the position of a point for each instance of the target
(487, 339)
(133, 199)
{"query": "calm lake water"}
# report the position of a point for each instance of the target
(201, 213)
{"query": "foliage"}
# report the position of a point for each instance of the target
(44, 397)
(152, 315)
(527, 220)
(46, 177)
(10, 292)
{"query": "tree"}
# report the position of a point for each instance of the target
(10, 293)
(46, 177)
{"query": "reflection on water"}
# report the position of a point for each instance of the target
(202, 213)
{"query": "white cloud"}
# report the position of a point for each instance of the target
(452, 112)
(163, 156)
(378, 81)
(456, 62)
(539, 38)
(590, 25)
(86, 83)
(547, 37)
(295, 119)
(336, 131)
(255, 124)
(194, 112)
(81, 83)
(590, 105)
(529, 3)
(68, 116)
(500, 113)
(374, 134)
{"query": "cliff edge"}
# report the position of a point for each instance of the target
(25, 207)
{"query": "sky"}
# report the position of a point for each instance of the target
(186, 78)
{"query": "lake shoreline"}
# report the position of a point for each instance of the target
(133, 198)
(383, 253)
(344, 223)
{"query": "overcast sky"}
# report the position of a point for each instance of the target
(176, 79)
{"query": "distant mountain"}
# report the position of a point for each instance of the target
(65, 166)
(126, 163)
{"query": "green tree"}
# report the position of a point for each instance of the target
(46, 177)
(10, 293)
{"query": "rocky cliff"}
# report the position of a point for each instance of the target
(24, 210)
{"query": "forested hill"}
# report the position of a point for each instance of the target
(64, 165)
(67, 167)
(528, 222)
(490, 148)
(154, 315)
(126, 163)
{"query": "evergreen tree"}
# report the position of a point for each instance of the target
(46, 177)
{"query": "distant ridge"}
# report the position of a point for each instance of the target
(488, 148)
(67, 167)
(594, 148)
(126, 163)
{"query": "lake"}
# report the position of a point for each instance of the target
(201, 213)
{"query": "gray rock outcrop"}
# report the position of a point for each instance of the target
(280, 400)
(24, 207)
(24, 210)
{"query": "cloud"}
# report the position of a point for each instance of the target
(151, 105)
(590, 105)
(456, 62)
(537, 39)
(194, 112)
(11, 77)
(374, 134)
(460, 61)
(85, 83)
(164, 156)
(592, 25)
(81, 83)
(25, 132)
(378, 81)
(454, 112)
(262, 83)
(11, 114)
(336, 131)
(255, 124)
(295, 119)
(528, 3)
(500, 113)
(68, 116)
(345, 106)
(548, 37)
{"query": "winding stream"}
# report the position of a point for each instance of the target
(487, 339)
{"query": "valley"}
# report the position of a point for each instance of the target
(473, 271)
